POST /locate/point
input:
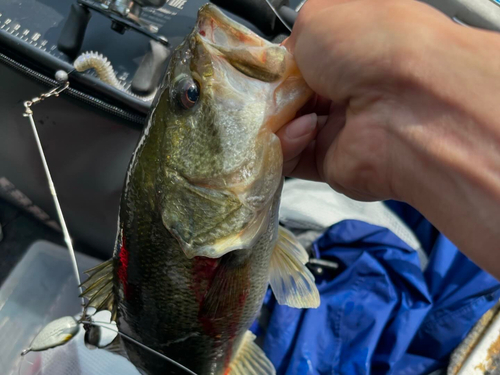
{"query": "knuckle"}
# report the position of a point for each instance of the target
(358, 179)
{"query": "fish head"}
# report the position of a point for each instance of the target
(227, 92)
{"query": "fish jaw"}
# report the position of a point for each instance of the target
(256, 58)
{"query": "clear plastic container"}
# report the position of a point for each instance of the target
(40, 289)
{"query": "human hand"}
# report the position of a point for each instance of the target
(415, 114)
(363, 55)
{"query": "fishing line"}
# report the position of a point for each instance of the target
(104, 325)
(23, 359)
(299, 7)
(278, 15)
(61, 76)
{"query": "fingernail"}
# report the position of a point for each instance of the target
(302, 126)
(322, 121)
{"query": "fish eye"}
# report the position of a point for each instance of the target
(187, 92)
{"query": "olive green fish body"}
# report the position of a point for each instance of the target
(196, 310)
(198, 239)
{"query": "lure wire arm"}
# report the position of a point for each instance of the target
(134, 341)
(28, 112)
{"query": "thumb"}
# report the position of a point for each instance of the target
(297, 134)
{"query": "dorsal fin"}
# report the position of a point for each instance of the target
(99, 288)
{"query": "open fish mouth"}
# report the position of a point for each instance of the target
(246, 51)
(219, 29)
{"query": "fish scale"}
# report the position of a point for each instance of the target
(177, 306)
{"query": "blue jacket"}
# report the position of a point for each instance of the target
(382, 314)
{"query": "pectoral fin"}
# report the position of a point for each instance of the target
(242, 240)
(291, 281)
(250, 359)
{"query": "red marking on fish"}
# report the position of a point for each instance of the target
(203, 33)
(123, 268)
(243, 297)
(210, 273)
(203, 273)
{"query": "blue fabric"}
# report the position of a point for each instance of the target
(382, 314)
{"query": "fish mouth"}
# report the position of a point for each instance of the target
(217, 28)
(252, 55)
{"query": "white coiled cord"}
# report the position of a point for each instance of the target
(105, 72)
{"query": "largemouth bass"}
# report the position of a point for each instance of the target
(199, 240)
